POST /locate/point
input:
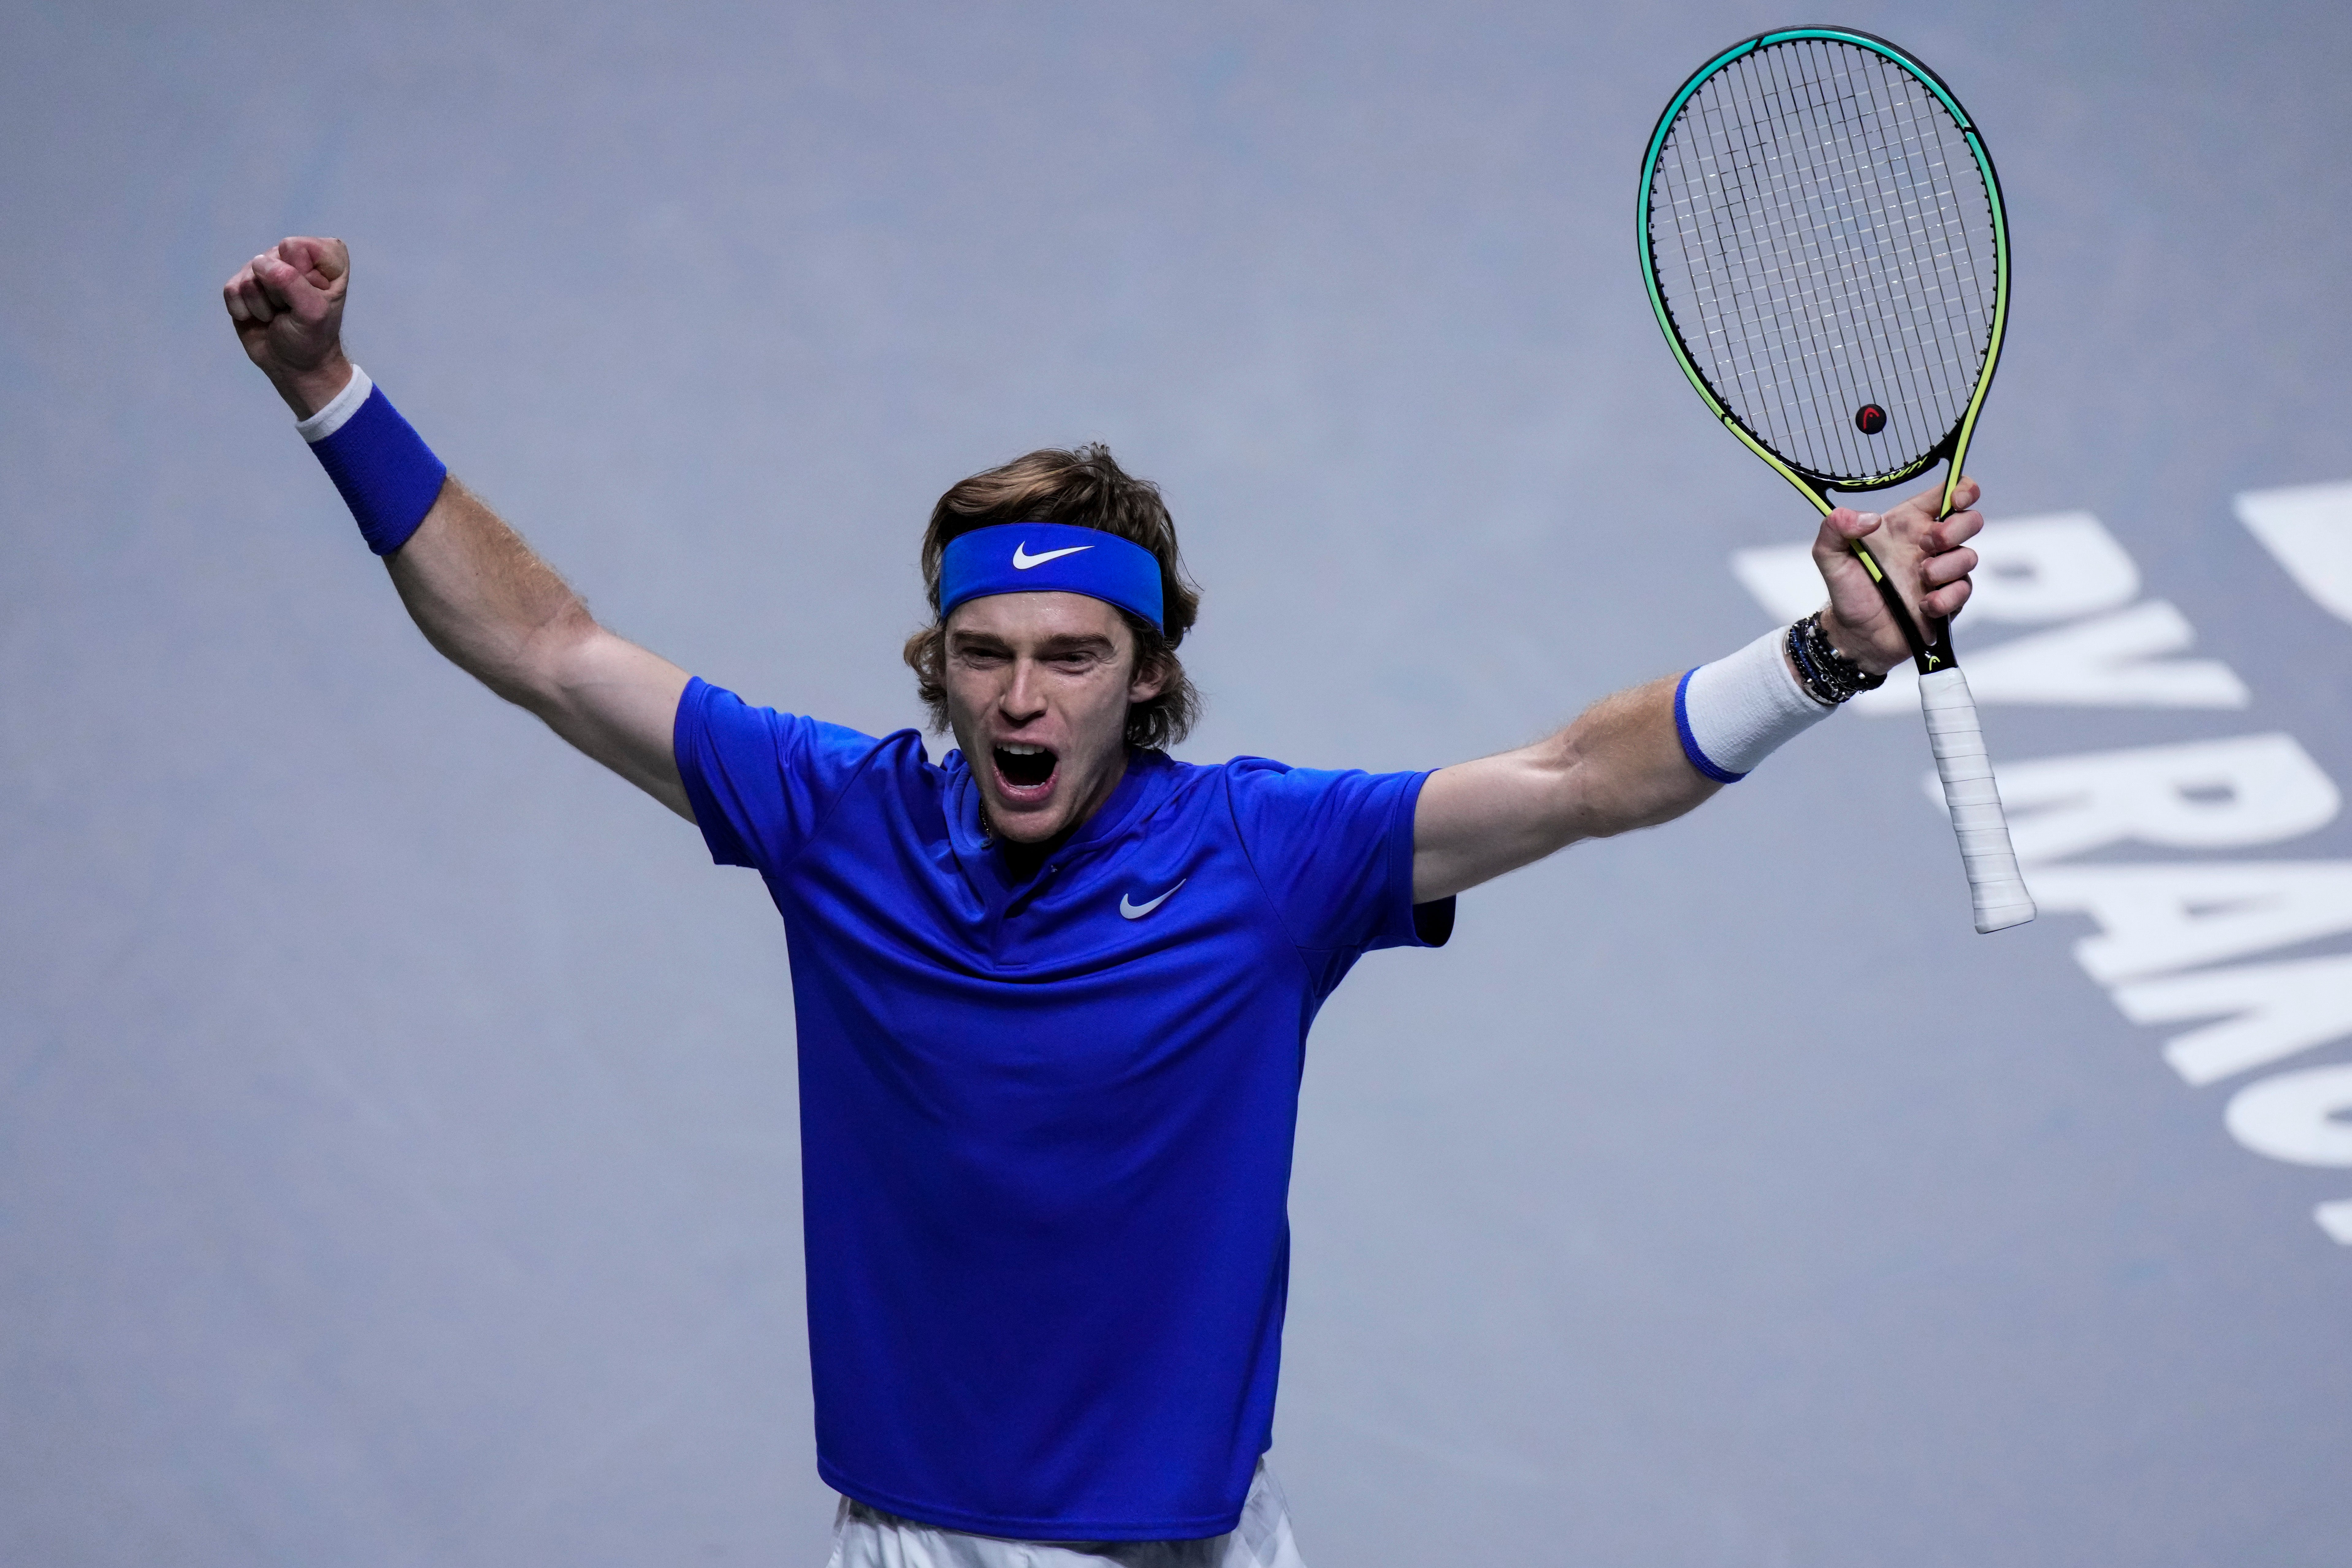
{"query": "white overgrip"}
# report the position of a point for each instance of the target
(1995, 887)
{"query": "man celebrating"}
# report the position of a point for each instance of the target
(1053, 993)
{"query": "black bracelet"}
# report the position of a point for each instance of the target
(1849, 671)
(1792, 642)
(1829, 677)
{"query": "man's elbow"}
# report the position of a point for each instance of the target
(548, 669)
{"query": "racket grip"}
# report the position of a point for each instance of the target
(1995, 887)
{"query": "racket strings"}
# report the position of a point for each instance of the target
(1820, 162)
(1823, 240)
(1945, 272)
(1791, 270)
(1830, 158)
(1739, 285)
(1819, 289)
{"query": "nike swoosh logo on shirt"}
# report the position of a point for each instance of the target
(1137, 911)
(1023, 559)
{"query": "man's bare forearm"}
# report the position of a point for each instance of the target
(1622, 766)
(485, 599)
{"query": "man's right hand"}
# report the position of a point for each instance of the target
(288, 305)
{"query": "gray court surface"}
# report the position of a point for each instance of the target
(397, 1153)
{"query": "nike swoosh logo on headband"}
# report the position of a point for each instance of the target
(1023, 559)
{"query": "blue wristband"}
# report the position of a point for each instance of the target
(388, 476)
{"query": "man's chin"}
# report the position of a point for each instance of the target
(1037, 811)
(1028, 815)
(1028, 833)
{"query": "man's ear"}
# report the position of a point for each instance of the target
(1150, 680)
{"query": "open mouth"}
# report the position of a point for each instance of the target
(1024, 767)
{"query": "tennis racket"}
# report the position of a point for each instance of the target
(1822, 238)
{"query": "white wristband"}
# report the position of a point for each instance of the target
(1737, 711)
(346, 403)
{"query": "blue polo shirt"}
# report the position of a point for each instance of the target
(1045, 1126)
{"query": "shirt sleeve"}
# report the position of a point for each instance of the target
(1334, 851)
(761, 783)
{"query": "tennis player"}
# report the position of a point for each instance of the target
(1052, 993)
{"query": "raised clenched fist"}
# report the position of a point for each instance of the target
(288, 305)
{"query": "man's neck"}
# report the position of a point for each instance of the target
(1022, 860)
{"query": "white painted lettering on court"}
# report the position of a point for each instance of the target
(2269, 1011)
(2153, 919)
(2303, 1118)
(2161, 927)
(2036, 570)
(2031, 571)
(2116, 660)
(2066, 566)
(2205, 794)
(2307, 529)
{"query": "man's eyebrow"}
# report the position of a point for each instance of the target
(1064, 642)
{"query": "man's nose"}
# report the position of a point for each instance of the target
(1025, 694)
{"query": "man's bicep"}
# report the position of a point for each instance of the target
(1476, 820)
(618, 703)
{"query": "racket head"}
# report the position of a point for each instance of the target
(1823, 242)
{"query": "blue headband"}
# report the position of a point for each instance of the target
(1050, 558)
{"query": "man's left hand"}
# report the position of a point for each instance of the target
(1930, 561)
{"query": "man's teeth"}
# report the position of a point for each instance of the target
(1023, 765)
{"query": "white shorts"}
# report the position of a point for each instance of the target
(865, 1537)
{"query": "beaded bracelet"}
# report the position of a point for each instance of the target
(1829, 677)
